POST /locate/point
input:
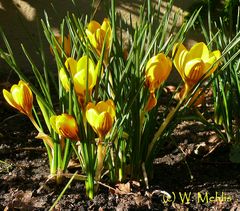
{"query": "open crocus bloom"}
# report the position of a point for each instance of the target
(84, 75)
(65, 125)
(157, 71)
(101, 116)
(20, 97)
(96, 34)
(192, 65)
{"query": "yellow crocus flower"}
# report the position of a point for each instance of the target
(82, 70)
(65, 125)
(96, 34)
(101, 116)
(20, 97)
(157, 71)
(192, 65)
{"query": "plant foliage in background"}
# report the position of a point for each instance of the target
(226, 86)
(227, 9)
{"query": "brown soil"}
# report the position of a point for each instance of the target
(193, 162)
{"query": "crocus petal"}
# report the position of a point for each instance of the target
(8, 97)
(104, 123)
(80, 82)
(97, 33)
(65, 125)
(85, 63)
(93, 26)
(71, 65)
(216, 53)
(106, 106)
(152, 102)
(199, 50)
(105, 25)
(67, 45)
(194, 70)
(91, 38)
(158, 69)
(111, 109)
(179, 52)
(91, 116)
(20, 97)
(28, 98)
(64, 79)
(53, 120)
(196, 63)
(101, 116)
(99, 38)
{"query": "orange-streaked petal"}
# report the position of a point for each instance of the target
(93, 26)
(194, 70)
(65, 125)
(151, 103)
(20, 97)
(104, 123)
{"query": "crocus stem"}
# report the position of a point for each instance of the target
(101, 152)
(165, 124)
(59, 164)
(35, 123)
(67, 151)
(89, 185)
(54, 160)
(41, 135)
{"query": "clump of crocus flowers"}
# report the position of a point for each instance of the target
(79, 78)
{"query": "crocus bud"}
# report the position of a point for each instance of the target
(20, 97)
(101, 116)
(157, 71)
(96, 34)
(65, 125)
(83, 72)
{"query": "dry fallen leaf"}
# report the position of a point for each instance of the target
(122, 188)
(24, 200)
